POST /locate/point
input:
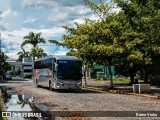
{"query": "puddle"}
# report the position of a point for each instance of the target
(15, 102)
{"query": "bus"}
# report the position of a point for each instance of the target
(58, 72)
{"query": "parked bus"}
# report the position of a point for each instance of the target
(58, 72)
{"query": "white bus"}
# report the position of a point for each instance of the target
(58, 72)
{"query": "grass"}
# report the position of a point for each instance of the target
(117, 80)
(2, 107)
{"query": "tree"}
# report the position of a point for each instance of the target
(23, 54)
(4, 66)
(129, 38)
(33, 39)
(143, 17)
(37, 52)
(96, 41)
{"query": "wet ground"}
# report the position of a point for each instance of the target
(21, 106)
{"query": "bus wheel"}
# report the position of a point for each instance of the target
(50, 86)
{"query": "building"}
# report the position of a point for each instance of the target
(98, 71)
(22, 69)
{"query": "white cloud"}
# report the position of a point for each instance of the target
(13, 39)
(12, 55)
(4, 4)
(80, 21)
(58, 17)
(30, 20)
(94, 17)
(39, 16)
(82, 10)
(36, 3)
(59, 52)
(8, 12)
(10, 19)
(2, 28)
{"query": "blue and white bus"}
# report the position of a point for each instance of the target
(58, 72)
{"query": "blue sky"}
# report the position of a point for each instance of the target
(19, 17)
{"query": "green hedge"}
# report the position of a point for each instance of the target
(155, 80)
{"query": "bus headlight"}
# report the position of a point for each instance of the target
(60, 83)
(79, 83)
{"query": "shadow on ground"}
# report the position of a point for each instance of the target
(73, 91)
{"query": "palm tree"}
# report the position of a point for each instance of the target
(33, 39)
(22, 54)
(37, 52)
(24, 100)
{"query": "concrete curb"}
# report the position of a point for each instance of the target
(120, 92)
(145, 95)
(136, 94)
(94, 88)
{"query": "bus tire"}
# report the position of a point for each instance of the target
(50, 85)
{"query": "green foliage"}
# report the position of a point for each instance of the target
(4, 66)
(142, 35)
(128, 39)
(33, 39)
(155, 80)
(23, 54)
(37, 52)
(121, 80)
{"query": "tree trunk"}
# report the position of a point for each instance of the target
(145, 74)
(132, 77)
(85, 79)
(33, 59)
(105, 71)
(110, 75)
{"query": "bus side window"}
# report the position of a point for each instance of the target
(49, 63)
(37, 65)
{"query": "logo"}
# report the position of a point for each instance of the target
(6, 114)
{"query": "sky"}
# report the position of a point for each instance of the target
(19, 17)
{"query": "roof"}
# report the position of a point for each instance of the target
(60, 57)
(14, 62)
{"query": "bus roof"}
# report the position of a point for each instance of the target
(60, 57)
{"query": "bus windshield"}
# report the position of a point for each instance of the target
(69, 70)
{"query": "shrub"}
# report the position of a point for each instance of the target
(155, 80)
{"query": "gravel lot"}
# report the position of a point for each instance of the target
(86, 100)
